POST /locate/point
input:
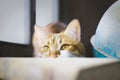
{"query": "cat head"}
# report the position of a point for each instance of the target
(64, 44)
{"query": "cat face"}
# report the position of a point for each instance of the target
(64, 44)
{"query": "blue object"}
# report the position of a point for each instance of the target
(98, 54)
(106, 40)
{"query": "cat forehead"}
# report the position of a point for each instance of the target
(60, 38)
(55, 38)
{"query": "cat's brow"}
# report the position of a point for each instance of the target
(48, 43)
(55, 39)
(60, 41)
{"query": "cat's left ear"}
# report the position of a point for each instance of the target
(73, 29)
(41, 31)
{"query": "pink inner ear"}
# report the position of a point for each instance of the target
(73, 30)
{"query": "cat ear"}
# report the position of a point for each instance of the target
(40, 31)
(73, 29)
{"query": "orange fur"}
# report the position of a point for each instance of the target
(51, 42)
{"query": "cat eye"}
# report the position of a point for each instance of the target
(65, 46)
(46, 48)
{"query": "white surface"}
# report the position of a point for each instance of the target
(14, 21)
(46, 11)
(48, 69)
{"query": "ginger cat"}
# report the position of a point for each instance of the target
(48, 43)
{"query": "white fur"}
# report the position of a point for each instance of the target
(66, 53)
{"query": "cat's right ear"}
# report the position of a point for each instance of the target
(40, 31)
(74, 30)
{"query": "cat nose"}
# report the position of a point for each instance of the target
(54, 54)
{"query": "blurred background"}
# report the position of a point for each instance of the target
(17, 18)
